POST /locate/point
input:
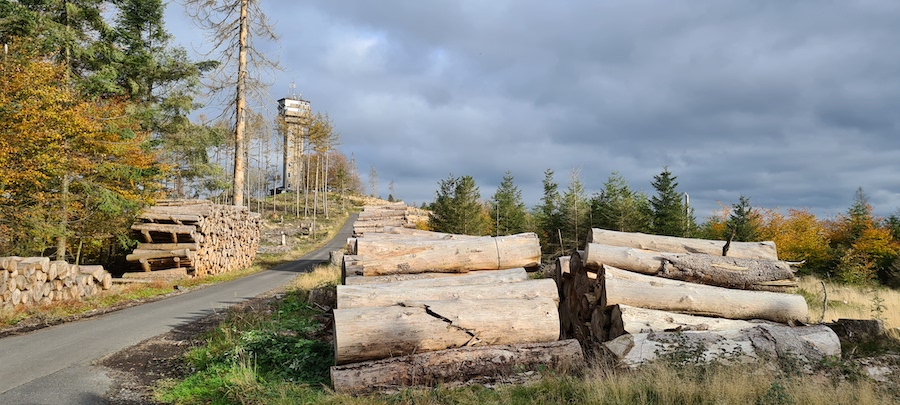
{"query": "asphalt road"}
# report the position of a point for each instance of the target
(53, 365)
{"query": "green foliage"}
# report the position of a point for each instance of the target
(458, 209)
(547, 215)
(507, 210)
(743, 221)
(574, 213)
(669, 215)
(619, 208)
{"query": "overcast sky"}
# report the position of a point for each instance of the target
(791, 103)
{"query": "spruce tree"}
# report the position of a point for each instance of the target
(547, 215)
(670, 216)
(457, 208)
(742, 222)
(507, 210)
(575, 213)
(619, 208)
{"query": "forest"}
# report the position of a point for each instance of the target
(100, 119)
(855, 247)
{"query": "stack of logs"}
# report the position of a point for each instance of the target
(373, 218)
(421, 308)
(195, 237)
(636, 296)
(37, 280)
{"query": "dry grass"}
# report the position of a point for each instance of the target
(853, 302)
(321, 276)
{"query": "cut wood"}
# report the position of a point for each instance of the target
(638, 290)
(450, 256)
(672, 244)
(449, 279)
(370, 333)
(139, 254)
(457, 366)
(385, 295)
(698, 268)
(627, 319)
(807, 344)
(359, 279)
(175, 273)
(168, 246)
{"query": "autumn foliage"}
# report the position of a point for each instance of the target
(70, 166)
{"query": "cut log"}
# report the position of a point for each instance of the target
(450, 256)
(360, 279)
(168, 246)
(627, 319)
(728, 272)
(450, 279)
(457, 366)
(167, 274)
(385, 295)
(808, 344)
(139, 254)
(638, 290)
(750, 250)
(371, 333)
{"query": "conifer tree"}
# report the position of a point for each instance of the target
(507, 210)
(547, 215)
(619, 208)
(575, 213)
(743, 221)
(457, 208)
(670, 215)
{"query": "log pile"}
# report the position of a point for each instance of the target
(38, 280)
(423, 308)
(373, 218)
(623, 297)
(195, 235)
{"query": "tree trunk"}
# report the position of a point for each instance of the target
(658, 243)
(241, 104)
(443, 279)
(627, 319)
(452, 256)
(638, 290)
(371, 333)
(698, 268)
(456, 366)
(807, 344)
(385, 295)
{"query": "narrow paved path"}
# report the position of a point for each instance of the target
(53, 365)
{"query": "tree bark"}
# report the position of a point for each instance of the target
(728, 272)
(456, 366)
(452, 256)
(241, 103)
(385, 295)
(627, 319)
(443, 279)
(371, 333)
(638, 290)
(749, 250)
(807, 344)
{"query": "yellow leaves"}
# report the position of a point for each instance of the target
(799, 235)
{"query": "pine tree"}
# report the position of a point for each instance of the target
(670, 216)
(547, 215)
(743, 221)
(619, 208)
(457, 208)
(575, 213)
(507, 209)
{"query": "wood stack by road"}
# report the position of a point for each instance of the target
(38, 280)
(447, 318)
(373, 218)
(194, 237)
(635, 296)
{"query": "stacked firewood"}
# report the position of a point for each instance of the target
(373, 218)
(195, 235)
(38, 280)
(636, 296)
(423, 308)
